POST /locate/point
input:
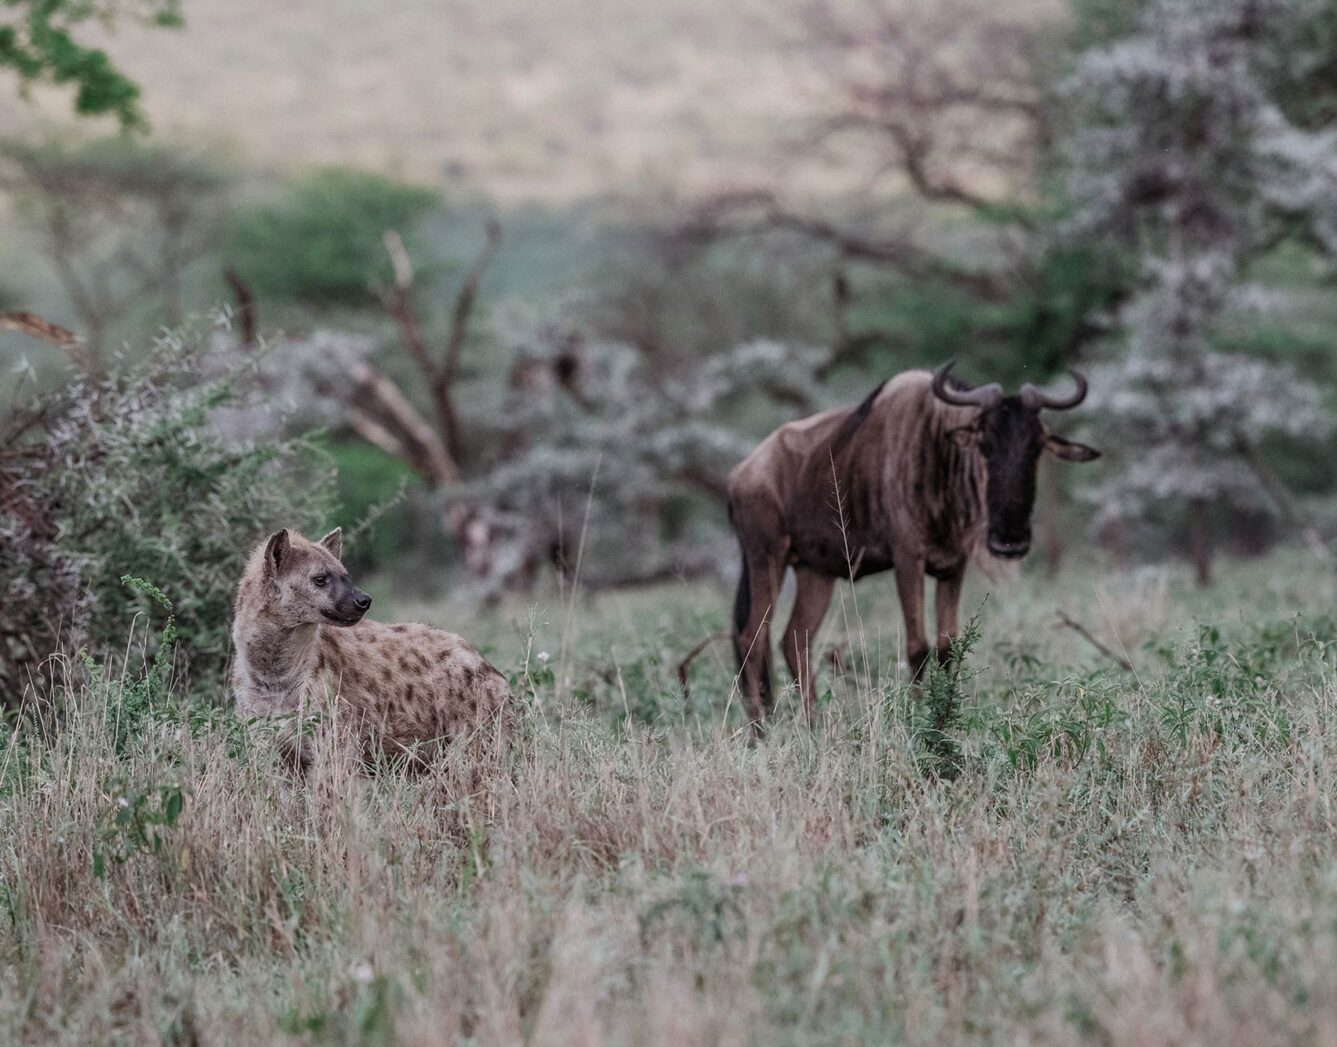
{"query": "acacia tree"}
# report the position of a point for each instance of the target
(948, 113)
(601, 450)
(1183, 157)
(37, 41)
(334, 377)
(118, 220)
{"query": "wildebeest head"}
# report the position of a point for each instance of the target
(1009, 434)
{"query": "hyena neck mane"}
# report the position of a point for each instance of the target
(292, 593)
(274, 663)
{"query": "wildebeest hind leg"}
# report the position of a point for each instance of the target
(810, 603)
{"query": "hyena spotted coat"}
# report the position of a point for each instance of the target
(303, 645)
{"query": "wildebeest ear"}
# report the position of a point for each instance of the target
(276, 551)
(334, 542)
(1069, 450)
(965, 436)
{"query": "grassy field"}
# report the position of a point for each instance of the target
(1087, 854)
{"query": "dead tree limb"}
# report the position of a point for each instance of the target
(1082, 631)
(247, 320)
(686, 663)
(439, 373)
(756, 212)
(44, 330)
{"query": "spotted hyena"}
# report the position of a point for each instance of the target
(303, 646)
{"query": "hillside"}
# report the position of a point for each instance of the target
(555, 101)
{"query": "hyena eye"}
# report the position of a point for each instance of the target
(321, 580)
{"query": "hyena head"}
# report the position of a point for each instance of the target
(307, 585)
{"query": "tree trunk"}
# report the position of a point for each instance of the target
(1199, 542)
(1285, 501)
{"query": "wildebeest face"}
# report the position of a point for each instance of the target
(309, 585)
(1011, 439)
(1009, 434)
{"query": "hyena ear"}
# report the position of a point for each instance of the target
(334, 542)
(276, 551)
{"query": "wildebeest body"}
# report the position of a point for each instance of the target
(899, 482)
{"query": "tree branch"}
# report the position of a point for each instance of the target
(464, 304)
(1082, 631)
(398, 302)
(44, 330)
(392, 422)
(245, 311)
(728, 215)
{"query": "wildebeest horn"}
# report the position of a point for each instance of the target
(985, 396)
(1035, 398)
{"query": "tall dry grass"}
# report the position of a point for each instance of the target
(1121, 859)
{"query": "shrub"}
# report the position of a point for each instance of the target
(129, 477)
(320, 242)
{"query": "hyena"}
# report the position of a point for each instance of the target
(303, 646)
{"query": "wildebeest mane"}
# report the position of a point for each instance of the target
(857, 417)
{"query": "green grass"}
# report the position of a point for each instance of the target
(1120, 858)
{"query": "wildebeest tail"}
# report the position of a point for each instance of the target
(742, 612)
(742, 608)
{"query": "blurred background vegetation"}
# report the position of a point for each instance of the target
(531, 280)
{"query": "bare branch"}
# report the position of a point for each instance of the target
(44, 330)
(395, 424)
(1284, 500)
(398, 302)
(949, 89)
(1082, 631)
(757, 212)
(686, 663)
(464, 304)
(245, 311)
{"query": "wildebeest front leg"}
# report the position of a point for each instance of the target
(910, 587)
(946, 605)
(810, 604)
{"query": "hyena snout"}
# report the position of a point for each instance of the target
(349, 608)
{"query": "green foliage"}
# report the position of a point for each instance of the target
(140, 822)
(1096, 22)
(1026, 337)
(1299, 65)
(320, 242)
(130, 705)
(119, 221)
(938, 712)
(37, 42)
(701, 908)
(371, 488)
(130, 477)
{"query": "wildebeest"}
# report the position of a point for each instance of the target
(914, 479)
